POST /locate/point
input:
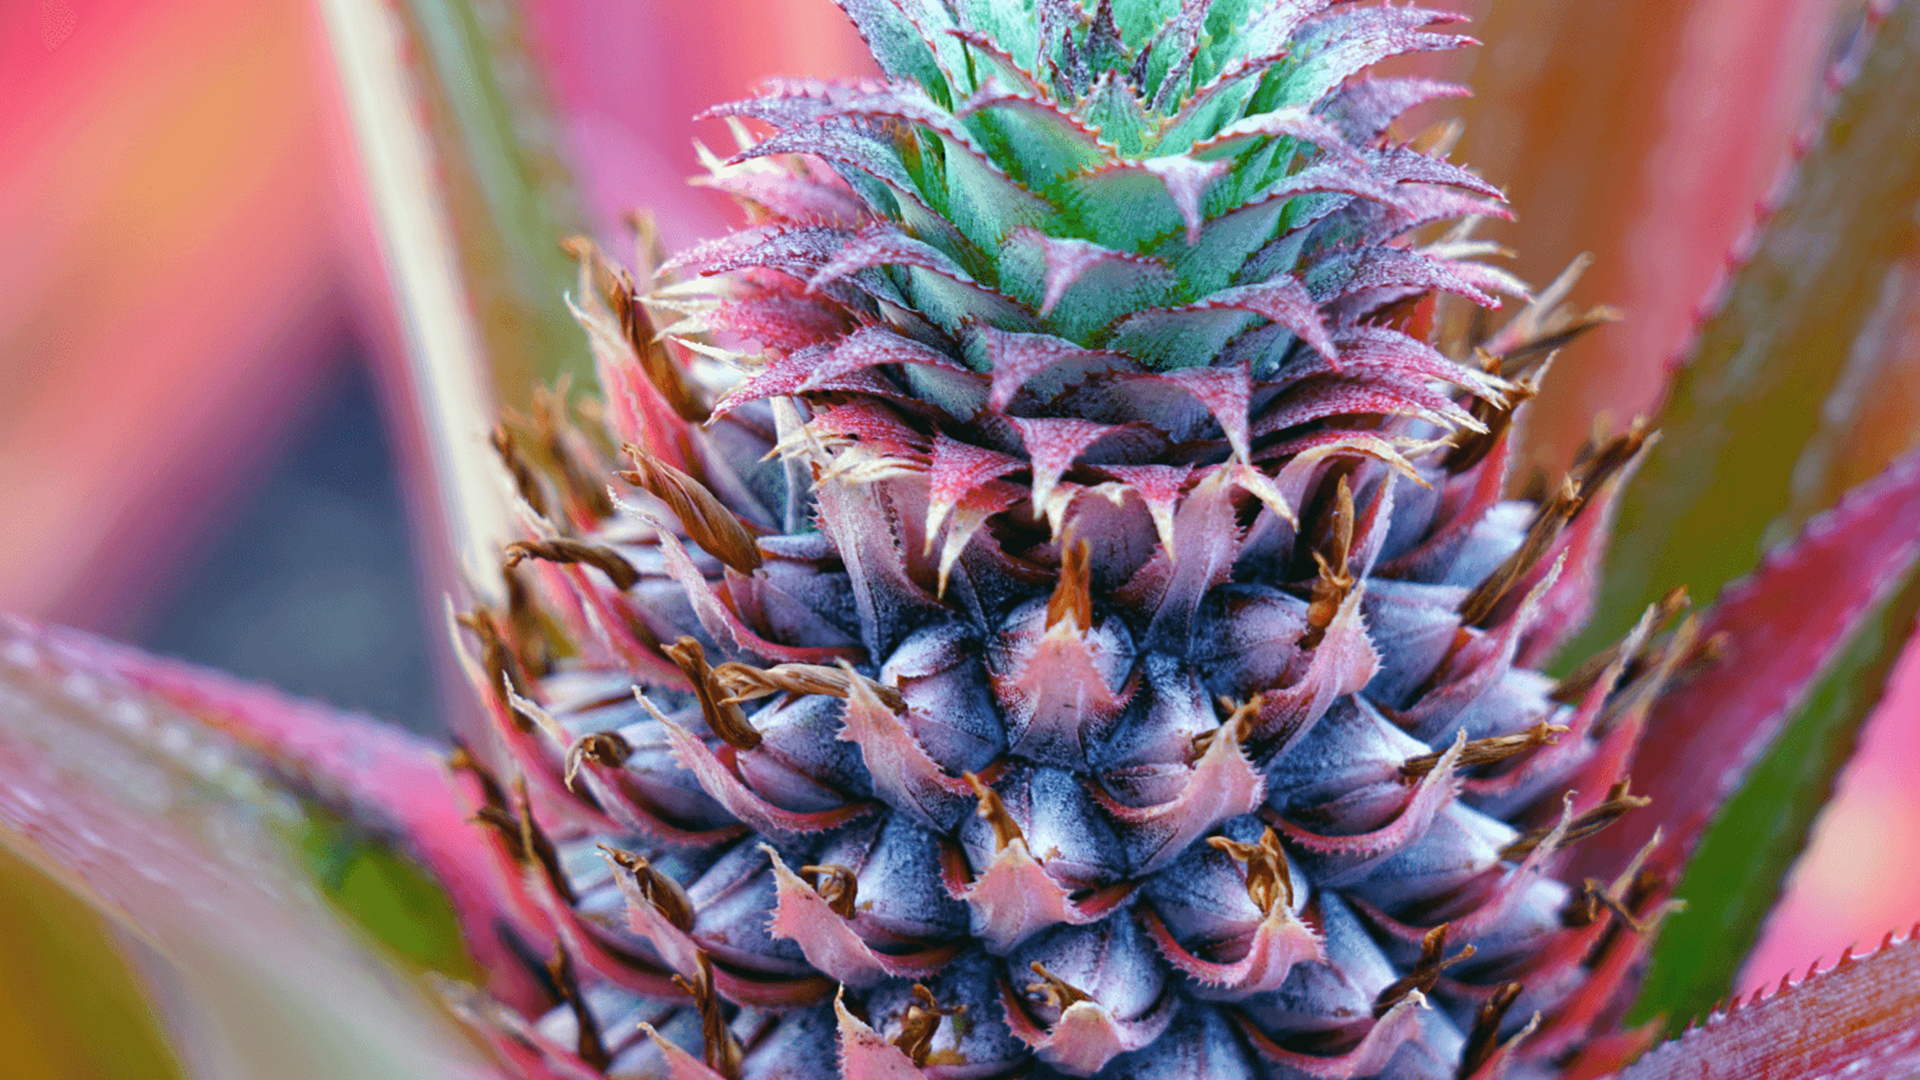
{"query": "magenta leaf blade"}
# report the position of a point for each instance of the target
(1859, 1020)
(1752, 393)
(1776, 632)
(1739, 872)
(1789, 647)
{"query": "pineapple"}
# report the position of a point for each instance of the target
(1055, 612)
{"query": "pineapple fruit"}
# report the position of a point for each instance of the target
(1055, 612)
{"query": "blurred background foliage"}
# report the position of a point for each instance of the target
(205, 449)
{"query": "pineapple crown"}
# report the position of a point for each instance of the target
(1144, 239)
(1149, 181)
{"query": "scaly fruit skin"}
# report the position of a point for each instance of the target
(1090, 638)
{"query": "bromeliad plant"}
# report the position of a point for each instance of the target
(1041, 600)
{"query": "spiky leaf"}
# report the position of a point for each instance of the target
(1774, 636)
(1855, 1020)
(1740, 869)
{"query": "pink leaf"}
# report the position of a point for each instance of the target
(1402, 165)
(1779, 629)
(969, 514)
(796, 198)
(1365, 349)
(1365, 108)
(885, 245)
(1017, 358)
(1402, 1022)
(958, 468)
(872, 346)
(1067, 261)
(1332, 177)
(1187, 182)
(344, 759)
(1015, 898)
(680, 1064)
(1088, 1035)
(798, 372)
(1225, 392)
(719, 777)
(1349, 857)
(846, 145)
(901, 769)
(1859, 1019)
(1342, 663)
(1279, 942)
(1159, 487)
(1222, 785)
(904, 102)
(1346, 272)
(1358, 38)
(1206, 540)
(1323, 396)
(1292, 122)
(798, 250)
(780, 319)
(1059, 688)
(1281, 300)
(829, 941)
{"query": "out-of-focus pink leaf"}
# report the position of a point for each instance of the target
(119, 786)
(152, 197)
(628, 79)
(1767, 361)
(353, 763)
(1860, 871)
(1859, 1020)
(1775, 632)
(1642, 131)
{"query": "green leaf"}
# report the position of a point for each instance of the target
(1751, 396)
(384, 893)
(1739, 870)
(510, 197)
